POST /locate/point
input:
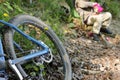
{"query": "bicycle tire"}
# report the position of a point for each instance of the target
(22, 19)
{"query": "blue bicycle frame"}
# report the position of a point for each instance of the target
(44, 50)
(2, 59)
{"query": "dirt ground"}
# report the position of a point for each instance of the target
(93, 60)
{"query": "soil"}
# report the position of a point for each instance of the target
(93, 60)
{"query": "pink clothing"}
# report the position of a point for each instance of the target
(98, 8)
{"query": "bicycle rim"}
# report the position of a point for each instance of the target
(58, 69)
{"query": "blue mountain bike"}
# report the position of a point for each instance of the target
(30, 50)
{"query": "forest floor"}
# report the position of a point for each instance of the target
(93, 60)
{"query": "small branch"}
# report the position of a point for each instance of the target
(90, 71)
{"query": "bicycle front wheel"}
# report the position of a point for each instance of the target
(58, 69)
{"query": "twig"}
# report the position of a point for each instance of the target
(90, 71)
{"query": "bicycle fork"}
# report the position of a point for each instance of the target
(13, 66)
